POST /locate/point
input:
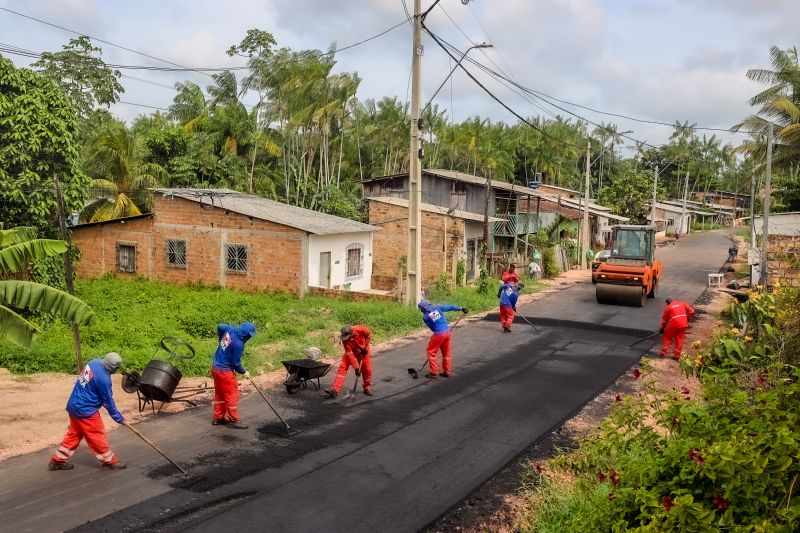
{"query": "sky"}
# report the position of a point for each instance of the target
(660, 60)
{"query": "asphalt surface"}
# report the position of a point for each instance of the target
(395, 461)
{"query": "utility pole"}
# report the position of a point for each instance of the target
(585, 233)
(655, 197)
(486, 235)
(62, 224)
(753, 245)
(765, 219)
(414, 258)
(685, 194)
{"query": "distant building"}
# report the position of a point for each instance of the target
(231, 239)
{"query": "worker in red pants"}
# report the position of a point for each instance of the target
(508, 294)
(674, 323)
(227, 363)
(510, 275)
(357, 351)
(434, 317)
(92, 390)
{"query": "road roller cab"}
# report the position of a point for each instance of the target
(631, 273)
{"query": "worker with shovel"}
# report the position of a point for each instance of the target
(357, 350)
(434, 317)
(508, 294)
(92, 390)
(227, 363)
(674, 323)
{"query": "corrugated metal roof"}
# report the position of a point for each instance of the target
(264, 209)
(457, 213)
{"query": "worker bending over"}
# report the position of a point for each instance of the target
(674, 323)
(508, 294)
(510, 275)
(227, 362)
(91, 391)
(357, 351)
(434, 317)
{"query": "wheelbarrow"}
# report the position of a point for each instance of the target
(303, 371)
(158, 382)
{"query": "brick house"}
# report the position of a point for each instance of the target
(231, 239)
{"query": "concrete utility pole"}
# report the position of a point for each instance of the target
(753, 246)
(414, 258)
(655, 196)
(685, 194)
(585, 232)
(765, 219)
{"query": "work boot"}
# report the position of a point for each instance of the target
(431, 376)
(219, 422)
(237, 425)
(114, 466)
(444, 375)
(506, 329)
(55, 465)
(331, 393)
(368, 392)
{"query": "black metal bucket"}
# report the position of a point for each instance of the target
(159, 380)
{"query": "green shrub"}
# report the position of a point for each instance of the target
(461, 272)
(549, 262)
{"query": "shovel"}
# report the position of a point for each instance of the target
(156, 448)
(351, 394)
(644, 339)
(286, 426)
(413, 372)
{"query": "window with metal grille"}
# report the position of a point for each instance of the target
(126, 257)
(176, 253)
(236, 257)
(355, 261)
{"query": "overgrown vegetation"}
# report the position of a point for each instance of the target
(131, 316)
(668, 461)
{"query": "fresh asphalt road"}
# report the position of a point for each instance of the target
(395, 461)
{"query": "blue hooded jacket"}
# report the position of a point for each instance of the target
(508, 295)
(433, 316)
(91, 391)
(231, 346)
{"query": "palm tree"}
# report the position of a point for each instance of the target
(18, 248)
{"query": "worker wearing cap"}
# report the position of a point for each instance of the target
(510, 275)
(674, 323)
(92, 390)
(434, 317)
(227, 363)
(356, 341)
(508, 294)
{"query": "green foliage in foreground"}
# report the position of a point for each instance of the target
(668, 461)
(131, 316)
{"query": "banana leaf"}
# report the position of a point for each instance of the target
(16, 329)
(12, 258)
(38, 297)
(16, 235)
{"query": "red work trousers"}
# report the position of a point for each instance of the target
(506, 316)
(439, 342)
(670, 333)
(94, 432)
(344, 366)
(226, 395)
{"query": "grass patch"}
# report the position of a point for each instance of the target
(133, 315)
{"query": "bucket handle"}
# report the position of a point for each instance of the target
(175, 341)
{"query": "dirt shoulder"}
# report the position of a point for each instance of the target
(499, 503)
(33, 416)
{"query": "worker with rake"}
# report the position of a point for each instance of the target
(357, 350)
(508, 294)
(674, 323)
(434, 317)
(227, 363)
(92, 390)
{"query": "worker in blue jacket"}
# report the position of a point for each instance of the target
(508, 294)
(227, 363)
(434, 318)
(92, 390)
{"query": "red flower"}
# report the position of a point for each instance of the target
(614, 477)
(618, 397)
(695, 456)
(760, 379)
(685, 390)
(636, 373)
(675, 421)
(538, 467)
(601, 476)
(668, 503)
(719, 502)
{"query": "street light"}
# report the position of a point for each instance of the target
(481, 45)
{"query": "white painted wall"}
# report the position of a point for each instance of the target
(337, 246)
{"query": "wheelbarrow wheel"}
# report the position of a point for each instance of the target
(293, 383)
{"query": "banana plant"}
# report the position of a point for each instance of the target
(18, 247)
